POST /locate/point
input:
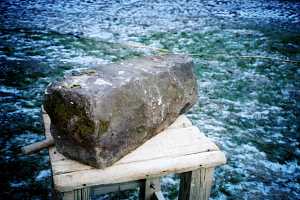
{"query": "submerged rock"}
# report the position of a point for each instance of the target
(101, 114)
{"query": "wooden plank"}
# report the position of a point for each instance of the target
(171, 142)
(37, 146)
(98, 190)
(136, 171)
(181, 122)
(196, 185)
(47, 123)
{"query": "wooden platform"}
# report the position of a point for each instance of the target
(180, 148)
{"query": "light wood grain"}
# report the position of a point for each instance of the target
(37, 146)
(179, 148)
(158, 196)
(137, 171)
(104, 189)
(181, 122)
(78, 194)
(196, 185)
(201, 183)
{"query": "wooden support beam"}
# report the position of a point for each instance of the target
(148, 188)
(78, 194)
(104, 189)
(196, 185)
(158, 196)
(82, 194)
(67, 196)
(185, 185)
(35, 147)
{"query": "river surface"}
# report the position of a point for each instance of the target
(249, 106)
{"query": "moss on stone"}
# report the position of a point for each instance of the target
(103, 126)
(141, 130)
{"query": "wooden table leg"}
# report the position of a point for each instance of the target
(158, 196)
(196, 185)
(79, 194)
(149, 188)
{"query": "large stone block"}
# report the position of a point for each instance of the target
(99, 115)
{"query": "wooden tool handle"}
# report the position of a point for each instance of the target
(35, 147)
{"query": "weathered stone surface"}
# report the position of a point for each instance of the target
(101, 114)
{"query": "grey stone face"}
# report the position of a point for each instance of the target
(101, 114)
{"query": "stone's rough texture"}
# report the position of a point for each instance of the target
(99, 115)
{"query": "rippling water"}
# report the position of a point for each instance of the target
(250, 107)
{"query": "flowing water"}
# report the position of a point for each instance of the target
(249, 106)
